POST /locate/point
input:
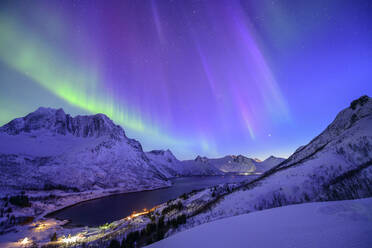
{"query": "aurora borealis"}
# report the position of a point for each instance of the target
(198, 77)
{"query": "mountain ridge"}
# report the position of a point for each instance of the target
(335, 165)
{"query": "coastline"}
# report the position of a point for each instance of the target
(49, 213)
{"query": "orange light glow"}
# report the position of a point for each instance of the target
(134, 214)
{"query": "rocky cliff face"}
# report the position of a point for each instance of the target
(55, 121)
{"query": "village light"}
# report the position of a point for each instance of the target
(25, 241)
(71, 239)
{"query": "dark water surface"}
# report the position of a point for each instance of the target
(114, 207)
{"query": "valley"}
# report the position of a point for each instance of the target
(335, 165)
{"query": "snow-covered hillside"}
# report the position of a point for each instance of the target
(50, 149)
(269, 163)
(335, 165)
(327, 224)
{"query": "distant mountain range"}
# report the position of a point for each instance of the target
(49, 149)
(170, 166)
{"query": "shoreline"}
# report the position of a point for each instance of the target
(66, 227)
(65, 200)
(47, 215)
(71, 224)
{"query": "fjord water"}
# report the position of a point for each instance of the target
(114, 207)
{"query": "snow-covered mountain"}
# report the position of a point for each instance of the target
(302, 225)
(336, 165)
(239, 164)
(50, 149)
(165, 162)
(269, 163)
(170, 166)
(202, 164)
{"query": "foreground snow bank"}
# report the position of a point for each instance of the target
(327, 224)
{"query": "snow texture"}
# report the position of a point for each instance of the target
(329, 224)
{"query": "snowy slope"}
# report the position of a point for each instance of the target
(165, 162)
(336, 165)
(50, 149)
(269, 163)
(329, 224)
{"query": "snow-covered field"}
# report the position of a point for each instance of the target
(327, 224)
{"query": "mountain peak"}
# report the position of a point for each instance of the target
(58, 122)
(47, 110)
(358, 109)
(166, 153)
(273, 158)
(359, 102)
(241, 159)
(201, 159)
(355, 117)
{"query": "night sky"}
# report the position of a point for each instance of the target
(198, 77)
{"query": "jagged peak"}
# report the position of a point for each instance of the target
(157, 152)
(240, 158)
(359, 102)
(201, 159)
(167, 154)
(56, 121)
(358, 109)
(270, 157)
(161, 152)
(47, 110)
